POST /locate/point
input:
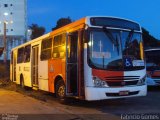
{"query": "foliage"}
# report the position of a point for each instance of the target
(37, 31)
(149, 40)
(62, 22)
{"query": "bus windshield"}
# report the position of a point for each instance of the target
(153, 60)
(115, 50)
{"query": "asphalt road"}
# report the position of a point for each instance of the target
(48, 107)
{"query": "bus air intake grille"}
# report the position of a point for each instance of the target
(122, 80)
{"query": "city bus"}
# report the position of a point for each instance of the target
(153, 66)
(94, 58)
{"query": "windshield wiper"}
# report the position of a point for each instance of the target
(110, 36)
(129, 37)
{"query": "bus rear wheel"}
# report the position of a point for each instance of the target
(61, 91)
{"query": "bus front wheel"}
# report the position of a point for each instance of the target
(60, 90)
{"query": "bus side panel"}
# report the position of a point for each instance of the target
(18, 72)
(56, 67)
(27, 74)
(24, 71)
(43, 75)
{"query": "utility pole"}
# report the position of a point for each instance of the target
(4, 39)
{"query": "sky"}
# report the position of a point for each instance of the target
(46, 12)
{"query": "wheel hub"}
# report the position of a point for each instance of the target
(61, 91)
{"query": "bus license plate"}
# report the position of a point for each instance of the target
(122, 93)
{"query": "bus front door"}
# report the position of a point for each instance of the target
(34, 65)
(74, 65)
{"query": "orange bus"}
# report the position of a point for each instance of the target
(93, 58)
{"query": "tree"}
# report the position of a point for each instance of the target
(149, 40)
(62, 22)
(37, 31)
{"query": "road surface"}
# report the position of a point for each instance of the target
(14, 105)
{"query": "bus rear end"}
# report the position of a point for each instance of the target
(114, 64)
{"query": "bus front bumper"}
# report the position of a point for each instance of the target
(94, 93)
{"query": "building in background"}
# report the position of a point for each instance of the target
(13, 12)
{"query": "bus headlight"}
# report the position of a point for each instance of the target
(142, 81)
(99, 83)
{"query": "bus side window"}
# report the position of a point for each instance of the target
(46, 49)
(20, 55)
(27, 51)
(59, 46)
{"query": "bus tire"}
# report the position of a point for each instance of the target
(61, 91)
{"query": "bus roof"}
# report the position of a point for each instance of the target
(57, 31)
(81, 22)
(32, 41)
